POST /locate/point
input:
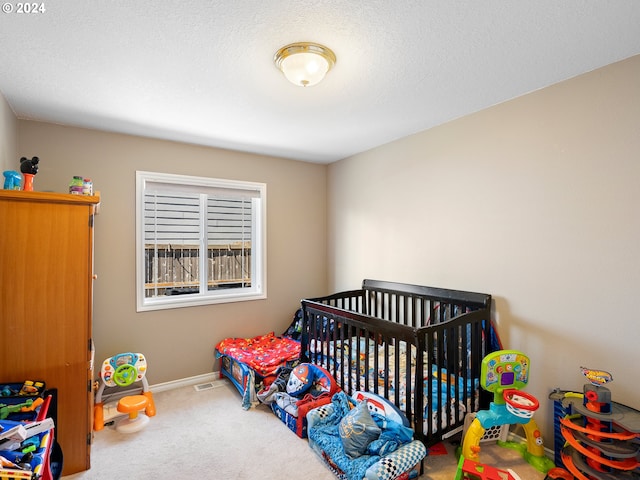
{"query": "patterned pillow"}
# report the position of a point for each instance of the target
(381, 406)
(357, 430)
(300, 380)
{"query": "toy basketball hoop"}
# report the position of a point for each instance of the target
(519, 403)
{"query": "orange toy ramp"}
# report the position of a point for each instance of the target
(622, 415)
(620, 434)
(625, 464)
(575, 463)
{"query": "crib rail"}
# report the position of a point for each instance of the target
(388, 334)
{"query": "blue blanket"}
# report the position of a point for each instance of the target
(325, 433)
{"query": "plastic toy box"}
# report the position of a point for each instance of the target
(23, 409)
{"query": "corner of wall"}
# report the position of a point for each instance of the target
(8, 135)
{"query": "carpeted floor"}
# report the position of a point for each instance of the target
(207, 435)
(443, 467)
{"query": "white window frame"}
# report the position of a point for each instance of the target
(203, 186)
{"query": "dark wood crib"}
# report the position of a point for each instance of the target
(420, 347)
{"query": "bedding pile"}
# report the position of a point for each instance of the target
(296, 391)
(252, 363)
(264, 353)
(364, 437)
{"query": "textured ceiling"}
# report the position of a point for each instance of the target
(202, 71)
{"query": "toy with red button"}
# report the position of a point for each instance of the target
(123, 369)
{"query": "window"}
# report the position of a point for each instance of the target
(198, 240)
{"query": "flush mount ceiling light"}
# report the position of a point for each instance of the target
(304, 64)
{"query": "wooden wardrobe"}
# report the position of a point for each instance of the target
(46, 289)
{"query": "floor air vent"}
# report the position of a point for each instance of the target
(201, 387)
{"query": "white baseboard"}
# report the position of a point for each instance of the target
(114, 393)
(185, 382)
(513, 437)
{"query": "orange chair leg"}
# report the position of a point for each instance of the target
(150, 411)
(98, 417)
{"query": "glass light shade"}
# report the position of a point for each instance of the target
(304, 64)
(305, 69)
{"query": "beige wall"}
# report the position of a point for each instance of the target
(179, 343)
(534, 201)
(9, 159)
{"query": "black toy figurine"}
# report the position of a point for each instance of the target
(29, 167)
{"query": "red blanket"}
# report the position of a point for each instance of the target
(263, 354)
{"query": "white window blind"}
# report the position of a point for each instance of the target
(200, 240)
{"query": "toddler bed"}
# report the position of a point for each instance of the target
(252, 363)
(420, 347)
